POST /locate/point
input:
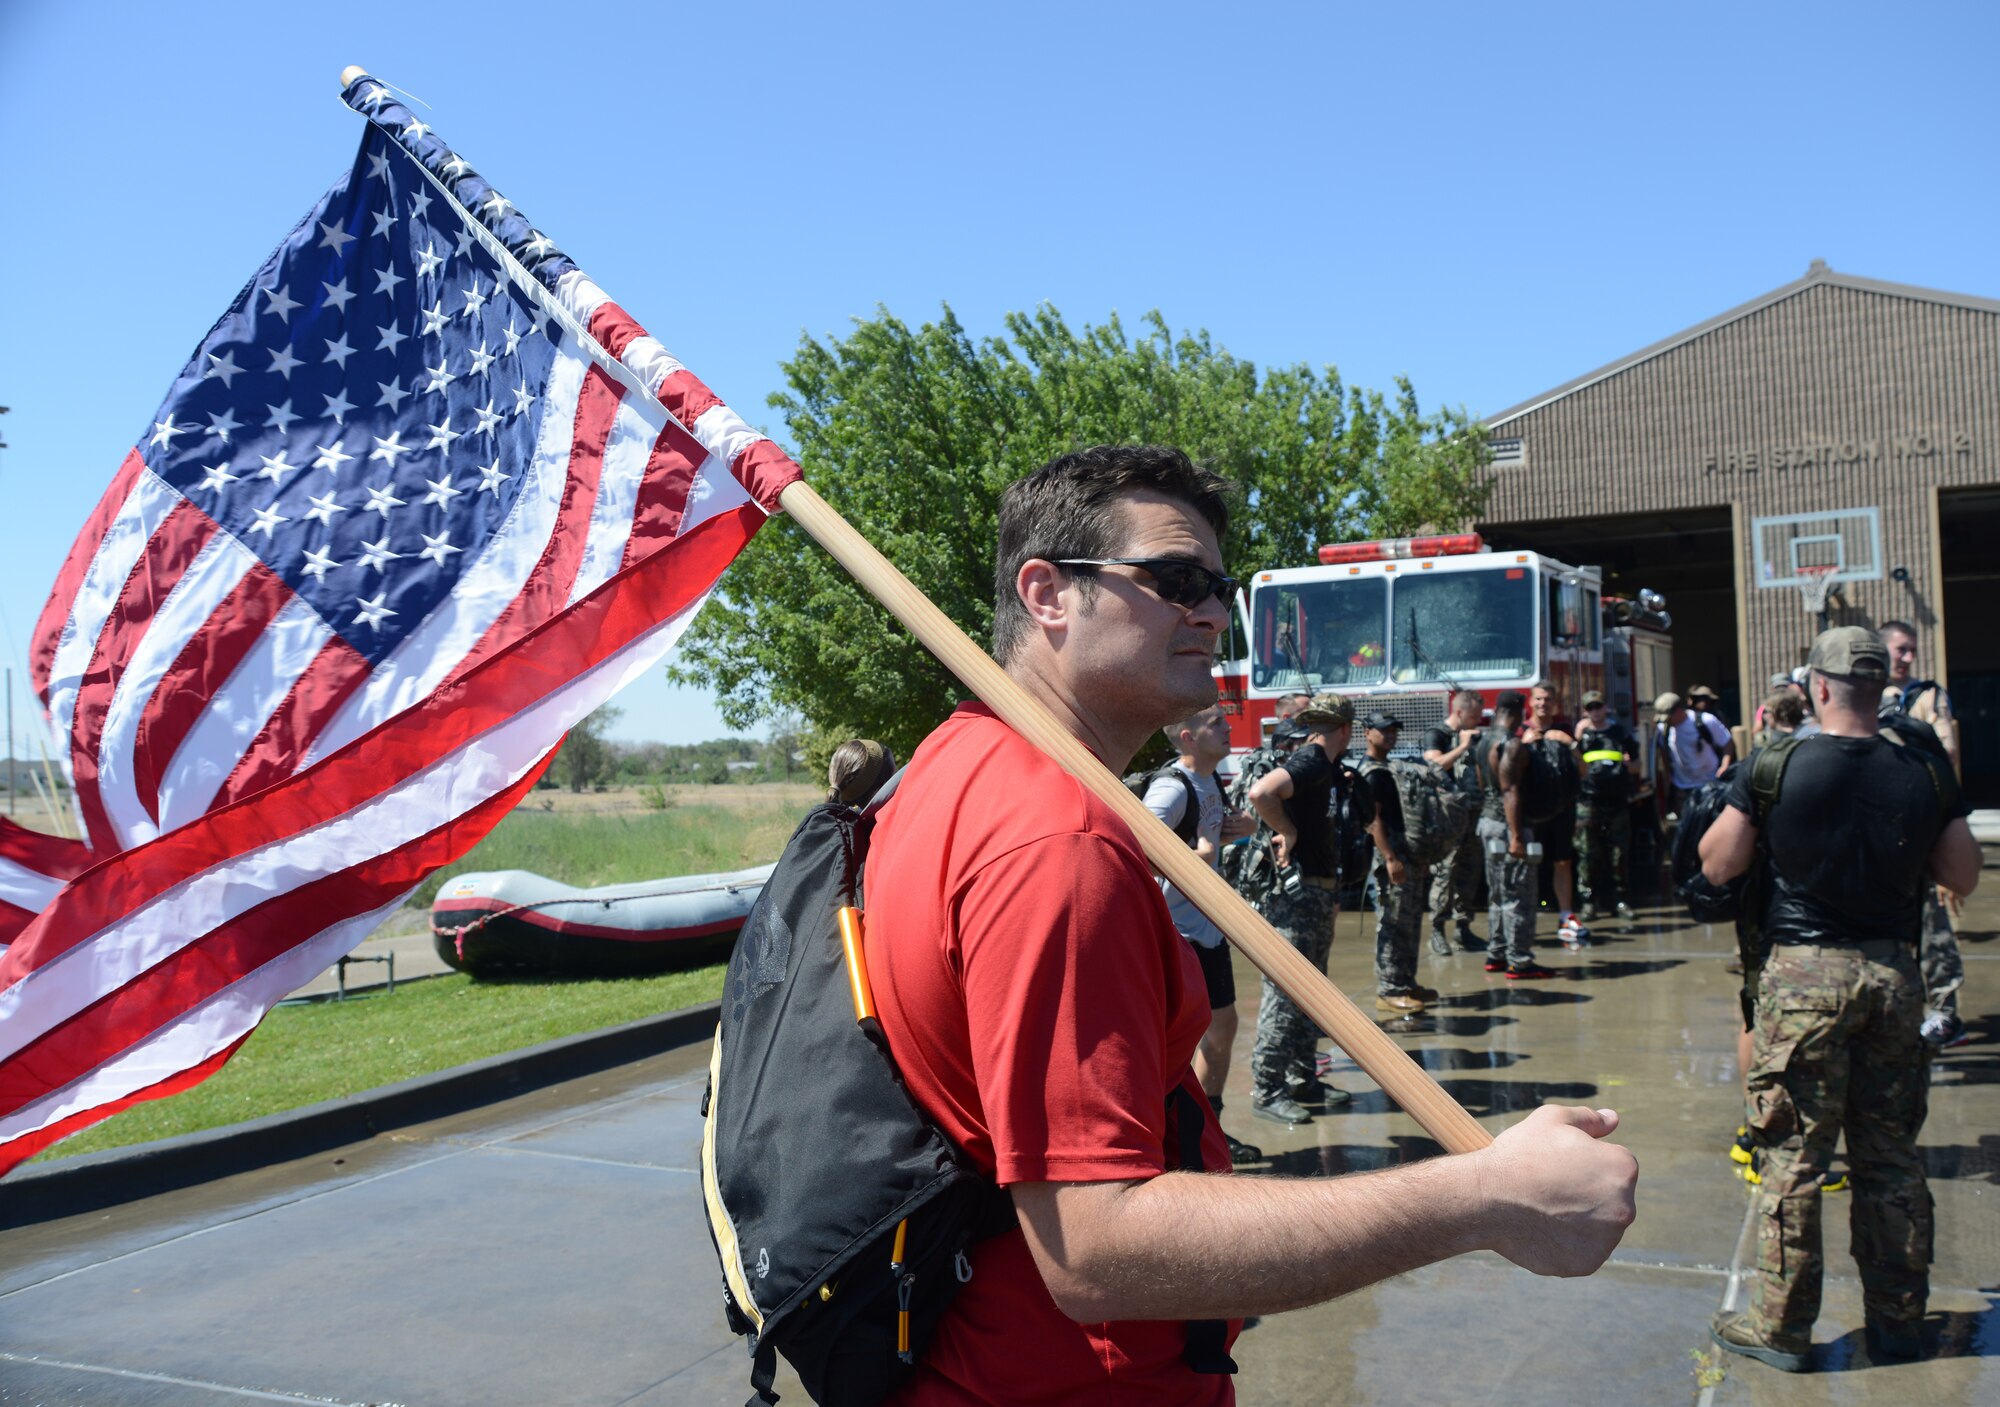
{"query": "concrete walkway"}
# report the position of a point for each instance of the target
(551, 1249)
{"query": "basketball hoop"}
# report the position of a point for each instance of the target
(1815, 585)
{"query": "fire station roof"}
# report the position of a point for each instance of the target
(1817, 275)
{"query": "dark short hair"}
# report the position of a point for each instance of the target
(1512, 701)
(1786, 709)
(1070, 508)
(1904, 626)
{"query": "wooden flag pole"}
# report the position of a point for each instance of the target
(1379, 1057)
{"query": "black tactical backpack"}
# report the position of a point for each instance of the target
(841, 1215)
(1437, 811)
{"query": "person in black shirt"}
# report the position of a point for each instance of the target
(1609, 767)
(1455, 880)
(1301, 801)
(1861, 828)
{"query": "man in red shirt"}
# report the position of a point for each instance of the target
(1043, 1009)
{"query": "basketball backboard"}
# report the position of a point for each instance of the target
(1804, 550)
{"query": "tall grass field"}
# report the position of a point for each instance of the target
(698, 831)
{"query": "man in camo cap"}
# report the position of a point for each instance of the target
(1850, 844)
(1295, 800)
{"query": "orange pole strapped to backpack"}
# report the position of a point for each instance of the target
(857, 964)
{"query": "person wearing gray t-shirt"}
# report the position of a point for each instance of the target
(1203, 741)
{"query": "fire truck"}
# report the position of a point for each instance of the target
(1400, 624)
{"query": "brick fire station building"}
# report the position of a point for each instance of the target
(1838, 436)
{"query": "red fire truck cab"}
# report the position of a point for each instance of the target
(1399, 624)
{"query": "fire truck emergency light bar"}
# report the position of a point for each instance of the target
(1397, 548)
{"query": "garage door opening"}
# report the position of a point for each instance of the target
(1685, 556)
(1967, 522)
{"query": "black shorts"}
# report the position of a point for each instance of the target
(1558, 838)
(1220, 974)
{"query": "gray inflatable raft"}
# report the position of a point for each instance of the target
(513, 921)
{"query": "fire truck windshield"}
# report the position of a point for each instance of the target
(1460, 627)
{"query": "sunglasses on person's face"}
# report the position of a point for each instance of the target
(1186, 584)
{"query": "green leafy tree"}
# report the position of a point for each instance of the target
(913, 433)
(587, 756)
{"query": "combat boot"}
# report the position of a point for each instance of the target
(1440, 945)
(1734, 1333)
(1894, 1338)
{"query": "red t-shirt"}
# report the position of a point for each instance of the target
(1041, 1006)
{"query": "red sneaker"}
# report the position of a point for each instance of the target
(1529, 972)
(1496, 964)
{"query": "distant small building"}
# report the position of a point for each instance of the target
(1837, 429)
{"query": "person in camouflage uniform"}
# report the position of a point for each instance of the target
(1837, 1049)
(1859, 832)
(1296, 801)
(1455, 880)
(1399, 881)
(1927, 702)
(1510, 874)
(1281, 1059)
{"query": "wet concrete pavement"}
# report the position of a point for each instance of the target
(551, 1249)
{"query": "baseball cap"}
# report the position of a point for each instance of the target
(1287, 735)
(1702, 691)
(1851, 652)
(1381, 720)
(1781, 679)
(1666, 704)
(1592, 696)
(1327, 709)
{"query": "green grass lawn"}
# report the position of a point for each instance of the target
(306, 1053)
(303, 1054)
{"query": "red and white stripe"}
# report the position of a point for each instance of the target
(33, 869)
(263, 796)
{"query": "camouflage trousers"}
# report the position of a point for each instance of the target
(1455, 881)
(1511, 897)
(1603, 836)
(1837, 1049)
(1944, 968)
(1399, 919)
(1287, 1039)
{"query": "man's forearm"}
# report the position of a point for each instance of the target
(1191, 1246)
(1378, 831)
(1547, 1194)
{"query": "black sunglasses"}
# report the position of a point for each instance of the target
(1186, 584)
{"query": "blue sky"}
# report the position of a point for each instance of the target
(1489, 199)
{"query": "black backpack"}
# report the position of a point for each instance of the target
(841, 1215)
(1189, 825)
(1437, 811)
(1351, 810)
(870, 1211)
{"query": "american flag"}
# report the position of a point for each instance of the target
(422, 499)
